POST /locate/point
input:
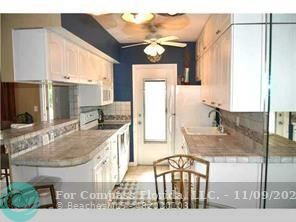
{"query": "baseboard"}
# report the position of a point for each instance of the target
(132, 164)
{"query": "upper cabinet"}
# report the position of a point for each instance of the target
(231, 63)
(56, 47)
(71, 61)
(283, 67)
(218, 23)
(40, 54)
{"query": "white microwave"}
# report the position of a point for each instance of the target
(95, 95)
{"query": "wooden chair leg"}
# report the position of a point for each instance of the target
(53, 196)
(53, 203)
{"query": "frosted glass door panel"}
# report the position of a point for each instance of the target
(155, 111)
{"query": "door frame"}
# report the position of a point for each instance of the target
(135, 67)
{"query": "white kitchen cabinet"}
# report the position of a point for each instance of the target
(114, 160)
(107, 72)
(217, 24)
(56, 47)
(283, 66)
(233, 69)
(84, 67)
(29, 55)
(41, 54)
(71, 61)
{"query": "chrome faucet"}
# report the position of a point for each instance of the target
(219, 125)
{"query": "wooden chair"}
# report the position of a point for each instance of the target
(42, 184)
(182, 183)
(5, 172)
(51, 189)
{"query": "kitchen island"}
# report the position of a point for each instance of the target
(82, 161)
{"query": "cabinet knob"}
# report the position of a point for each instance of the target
(204, 48)
(89, 80)
(219, 104)
(213, 103)
(218, 31)
(203, 100)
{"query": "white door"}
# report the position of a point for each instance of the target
(153, 111)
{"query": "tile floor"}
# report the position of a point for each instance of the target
(143, 173)
(138, 189)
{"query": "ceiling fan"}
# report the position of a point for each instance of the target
(155, 44)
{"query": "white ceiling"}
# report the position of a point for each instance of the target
(187, 27)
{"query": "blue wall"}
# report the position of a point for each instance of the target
(123, 72)
(88, 29)
(135, 55)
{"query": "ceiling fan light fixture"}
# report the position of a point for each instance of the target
(154, 49)
(137, 18)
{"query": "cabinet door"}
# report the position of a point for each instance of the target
(71, 62)
(247, 66)
(283, 66)
(114, 160)
(205, 78)
(84, 67)
(56, 47)
(211, 76)
(99, 175)
(223, 73)
(95, 67)
(215, 75)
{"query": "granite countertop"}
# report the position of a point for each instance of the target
(229, 148)
(74, 149)
(71, 150)
(9, 134)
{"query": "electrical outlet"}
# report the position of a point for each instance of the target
(237, 121)
(36, 109)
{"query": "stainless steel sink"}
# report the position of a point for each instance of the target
(207, 131)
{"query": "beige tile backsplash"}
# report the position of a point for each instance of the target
(117, 108)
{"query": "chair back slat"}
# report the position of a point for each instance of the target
(189, 190)
(197, 192)
(181, 188)
(164, 190)
(185, 181)
(173, 187)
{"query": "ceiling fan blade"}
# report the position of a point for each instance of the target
(132, 45)
(166, 39)
(175, 44)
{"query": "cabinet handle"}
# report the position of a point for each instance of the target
(89, 80)
(65, 77)
(203, 100)
(218, 31)
(219, 104)
(213, 103)
(99, 157)
(204, 47)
